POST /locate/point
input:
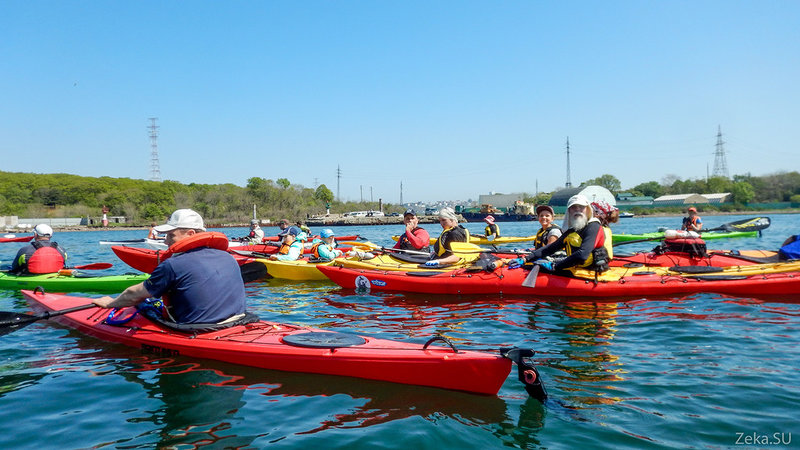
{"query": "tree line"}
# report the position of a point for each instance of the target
(143, 201)
(744, 189)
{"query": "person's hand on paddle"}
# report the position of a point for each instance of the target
(545, 264)
(515, 263)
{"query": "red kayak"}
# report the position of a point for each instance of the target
(146, 260)
(751, 280)
(292, 348)
(16, 239)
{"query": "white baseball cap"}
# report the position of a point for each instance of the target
(43, 229)
(182, 218)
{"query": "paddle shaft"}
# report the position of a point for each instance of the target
(10, 322)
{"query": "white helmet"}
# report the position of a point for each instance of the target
(42, 230)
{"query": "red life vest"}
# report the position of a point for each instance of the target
(46, 259)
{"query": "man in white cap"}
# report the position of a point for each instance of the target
(203, 285)
(40, 255)
(451, 232)
(415, 237)
(584, 241)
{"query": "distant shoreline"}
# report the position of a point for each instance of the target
(267, 227)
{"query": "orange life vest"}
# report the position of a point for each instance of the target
(210, 239)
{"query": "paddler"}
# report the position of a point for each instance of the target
(492, 230)
(203, 285)
(291, 245)
(324, 247)
(451, 232)
(40, 255)
(415, 237)
(549, 231)
(584, 241)
(693, 222)
(256, 234)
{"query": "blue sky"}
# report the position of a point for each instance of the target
(451, 98)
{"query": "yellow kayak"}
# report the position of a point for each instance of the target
(481, 240)
(300, 270)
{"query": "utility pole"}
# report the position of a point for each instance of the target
(155, 168)
(361, 190)
(401, 192)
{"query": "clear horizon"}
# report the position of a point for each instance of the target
(451, 99)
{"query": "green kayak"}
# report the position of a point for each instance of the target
(621, 237)
(77, 281)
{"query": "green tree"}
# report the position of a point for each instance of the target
(323, 194)
(284, 183)
(607, 181)
(651, 189)
(742, 192)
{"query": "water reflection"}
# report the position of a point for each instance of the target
(206, 403)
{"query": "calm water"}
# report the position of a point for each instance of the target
(701, 371)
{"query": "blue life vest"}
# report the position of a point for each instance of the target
(790, 250)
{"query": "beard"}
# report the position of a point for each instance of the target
(578, 221)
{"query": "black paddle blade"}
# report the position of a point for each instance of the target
(253, 271)
(753, 224)
(11, 322)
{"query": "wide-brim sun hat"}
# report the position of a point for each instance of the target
(182, 218)
(448, 213)
(578, 199)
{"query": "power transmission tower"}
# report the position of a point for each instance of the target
(569, 183)
(401, 192)
(155, 167)
(338, 177)
(720, 163)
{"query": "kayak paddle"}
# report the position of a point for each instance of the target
(93, 266)
(371, 246)
(10, 322)
(754, 224)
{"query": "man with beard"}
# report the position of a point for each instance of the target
(584, 241)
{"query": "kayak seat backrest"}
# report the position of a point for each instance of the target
(197, 328)
(414, 259)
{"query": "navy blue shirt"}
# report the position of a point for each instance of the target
(203, 285)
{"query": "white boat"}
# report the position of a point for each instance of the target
(624, 214)
(364, 214)
(155, 244)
